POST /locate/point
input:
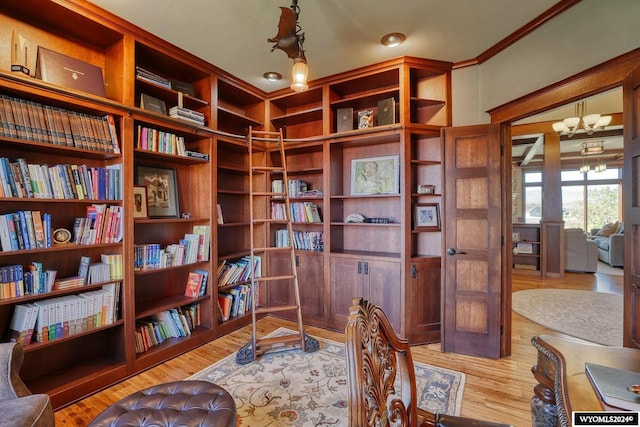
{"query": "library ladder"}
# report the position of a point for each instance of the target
(261, 145)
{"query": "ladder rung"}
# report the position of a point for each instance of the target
(269, 220)
(264, 344)
(265, 132)
(276, 309)
(273, 249)
(274, 278)
(267, 169)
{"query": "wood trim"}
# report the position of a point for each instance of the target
(520, 33)
(594, 80)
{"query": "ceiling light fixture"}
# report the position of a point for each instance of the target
(393, 39)
(590, 123)
(290, 39)
(272, 76)
(592, 148)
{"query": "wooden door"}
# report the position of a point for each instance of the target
(631, 190)
(423, 300)
(472, 235)
(311, 283)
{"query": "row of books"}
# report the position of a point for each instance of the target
(22, 230)
(173, 323)
(150, 139)
(60, 317)
(18, 281)
(32, 121)
(302, 240)
(193, 247)
(196, 283)
(102, 224)
(234, 302)
(108, 268)
(296, 187)
(64, 181)
(231, 272)
(300, 211)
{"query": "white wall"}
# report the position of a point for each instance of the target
(588, 34)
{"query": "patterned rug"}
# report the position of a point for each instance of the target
(591, 316)
(293, 388)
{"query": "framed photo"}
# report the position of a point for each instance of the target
(375, 175)
(427, 216)
(525, 248)
(162, 191)
(140, 202)
(515, 237)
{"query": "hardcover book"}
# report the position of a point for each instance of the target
(613, 385)
(344, 119)
(150, 103)
(386, 111)
(365, 119)
(63, 70)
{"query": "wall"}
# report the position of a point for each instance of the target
(588, 34)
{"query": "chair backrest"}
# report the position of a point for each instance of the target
(382, 381)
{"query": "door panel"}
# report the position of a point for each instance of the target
(385, 289)
(631, 189)
(346, 283)
(473, 282)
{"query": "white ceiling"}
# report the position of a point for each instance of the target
(340, 35)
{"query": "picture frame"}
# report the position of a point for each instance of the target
(427, 217)
(524, 248)
(162, 191)
(140, 202)
(515, 236)
(375, 175)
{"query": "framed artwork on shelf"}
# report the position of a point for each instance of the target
(375, 175)
(140, 202)
(524, 248)
(162, 191)
(427, 217)
(515, 237)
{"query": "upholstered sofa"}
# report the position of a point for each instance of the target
(18, 407)
(610, 244)
(580, 253)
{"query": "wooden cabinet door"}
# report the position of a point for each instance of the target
(382, 278)
(346, 283)
(631, 190)
(423, 301)
(311, 283)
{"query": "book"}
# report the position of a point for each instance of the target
(386, 111)
(612, 385)
(365, 119)
(194, 284)
(63, 70)
(344, 119)
(151, 103)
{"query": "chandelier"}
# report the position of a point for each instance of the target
(592, 148)
(290, 39)
(590, 123)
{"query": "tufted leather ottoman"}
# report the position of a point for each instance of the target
(179, 403)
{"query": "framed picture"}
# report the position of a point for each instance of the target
(162, 191)
(524, 248)
(515, 237)
(375, 175)
(427, 216)
(140, 202)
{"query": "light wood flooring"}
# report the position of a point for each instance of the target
(495, 390)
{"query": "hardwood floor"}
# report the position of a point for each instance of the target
(495, 390)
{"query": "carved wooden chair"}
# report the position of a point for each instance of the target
(376, 357)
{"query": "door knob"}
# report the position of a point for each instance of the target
(452, 251)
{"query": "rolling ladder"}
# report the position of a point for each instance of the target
(261, 167)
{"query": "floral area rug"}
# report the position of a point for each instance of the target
(293, 388)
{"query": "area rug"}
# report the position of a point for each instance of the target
(294, 388)
(588, 315)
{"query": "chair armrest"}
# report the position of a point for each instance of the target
(616, 242)
(11, 357)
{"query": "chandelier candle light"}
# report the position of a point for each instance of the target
(590, 122)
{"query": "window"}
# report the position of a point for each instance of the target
(532, 196)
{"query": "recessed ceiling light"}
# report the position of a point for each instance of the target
(393, 39)
(272, 76)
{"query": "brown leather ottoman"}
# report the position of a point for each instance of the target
(179, 403)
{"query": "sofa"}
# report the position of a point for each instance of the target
(18, 407)
(580, 253)
(610, 240)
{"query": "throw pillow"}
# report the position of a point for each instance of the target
(620, 229)
(608, 229)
